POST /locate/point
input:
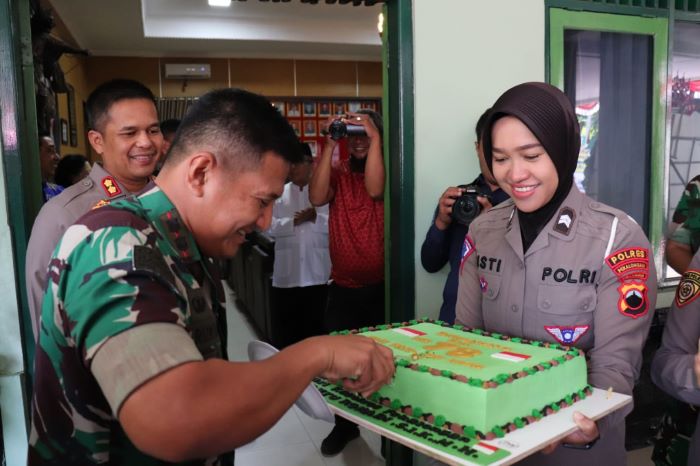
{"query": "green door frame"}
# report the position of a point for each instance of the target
(559, 21)
(20, 194)
(399, 203)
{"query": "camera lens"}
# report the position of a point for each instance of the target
(337, 130)
(466, 208)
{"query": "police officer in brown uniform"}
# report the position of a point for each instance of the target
(673, 365)
(554, 265)
(124, 130)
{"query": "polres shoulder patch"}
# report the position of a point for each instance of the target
(629, 263)
(467, 250)
(688, 289)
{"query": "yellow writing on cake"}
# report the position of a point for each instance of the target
(383, 341)
(462, 362)
(454, 349)
(469, 342)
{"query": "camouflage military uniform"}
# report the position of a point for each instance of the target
(687, 215)
(117, 268)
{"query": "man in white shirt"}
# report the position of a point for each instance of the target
(302, 262)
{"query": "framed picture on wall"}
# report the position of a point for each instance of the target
(293, 109)
(310, 128)
(354, 106)
(324, 109)
(309, 109)
(279, 106)
(295, 124)
(339, 108)
(64, 131)
(370, 105)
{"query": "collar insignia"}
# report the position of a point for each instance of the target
(110, 186)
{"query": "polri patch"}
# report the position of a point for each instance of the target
(629, 263)
(567, 335)
(565, 219)
(633, 299)
(110, 186)
(689, 288)
(467, 250)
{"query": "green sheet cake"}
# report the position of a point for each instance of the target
(477, 383)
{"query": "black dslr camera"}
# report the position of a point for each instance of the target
(338, 130)
(466, 208)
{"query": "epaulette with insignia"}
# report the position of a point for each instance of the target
(110, 186)
(100, 203)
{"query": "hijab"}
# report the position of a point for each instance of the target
(549, 115)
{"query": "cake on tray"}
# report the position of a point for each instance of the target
(475, 383)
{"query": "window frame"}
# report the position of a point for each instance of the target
(560, 20)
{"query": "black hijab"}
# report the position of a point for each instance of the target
(548, 113)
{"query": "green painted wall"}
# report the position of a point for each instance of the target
(465, 55)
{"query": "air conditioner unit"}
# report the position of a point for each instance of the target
(187, 71)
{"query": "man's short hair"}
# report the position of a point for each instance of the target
(107, 94)
(481, 122)
(238, 127)
(169, 126)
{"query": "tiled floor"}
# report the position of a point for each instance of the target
(296, 439)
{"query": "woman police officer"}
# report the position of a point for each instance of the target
(554, 265)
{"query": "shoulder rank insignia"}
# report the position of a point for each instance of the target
(100, 203)
(689, 288)
(110, 186)
(566, 218)
(566, 335)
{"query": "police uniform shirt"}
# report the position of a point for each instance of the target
(672, 367)
(588, 280)
(129, 297)
(54, 218)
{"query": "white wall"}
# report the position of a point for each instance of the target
(466, 53)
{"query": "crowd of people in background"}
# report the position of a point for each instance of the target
(129, 241)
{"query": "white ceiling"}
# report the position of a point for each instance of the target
(246, 29)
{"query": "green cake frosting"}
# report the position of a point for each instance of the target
(476, 379)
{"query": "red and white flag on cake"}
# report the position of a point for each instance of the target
(485, 448)
(509, 356)
(409, 332)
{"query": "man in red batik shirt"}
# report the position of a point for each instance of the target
(355, 191)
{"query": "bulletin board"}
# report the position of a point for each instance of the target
(308, 115)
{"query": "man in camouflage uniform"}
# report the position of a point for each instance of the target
(684, 239)
(128, 368)
(124, 131)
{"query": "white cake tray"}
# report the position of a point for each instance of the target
(522, 442)
(310, 402)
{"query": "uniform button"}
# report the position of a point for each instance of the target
(514, 308)
(546, 304)
(521, 265)
(584, 306)
(490, 292)
(87, 182)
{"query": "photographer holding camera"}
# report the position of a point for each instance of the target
(457, 207)
(354, 191)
